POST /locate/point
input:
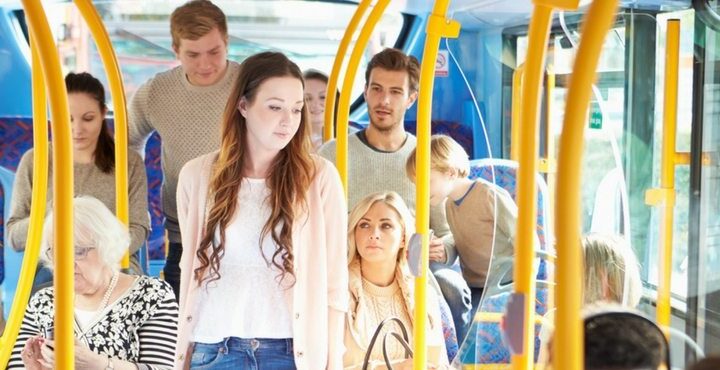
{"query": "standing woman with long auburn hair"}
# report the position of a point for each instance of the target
(264, 276)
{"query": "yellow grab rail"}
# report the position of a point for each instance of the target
(341, 150)
(548, 165)
(337, 65)
(665, 195)
(112, 69)
(551, 164)
(516, 108)
(62, 154)
(527, 151)
(38, 204)
(437, 26)
(568, 348)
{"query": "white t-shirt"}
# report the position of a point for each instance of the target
(248, 301)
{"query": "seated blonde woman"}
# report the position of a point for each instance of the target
(120, 321)
(611, 273)
(381, 285)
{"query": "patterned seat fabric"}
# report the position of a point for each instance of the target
(487, 346)
(15, 141)
(451, 341)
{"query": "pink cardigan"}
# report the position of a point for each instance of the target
(320, 296)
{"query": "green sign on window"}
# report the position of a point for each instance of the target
(596, 117)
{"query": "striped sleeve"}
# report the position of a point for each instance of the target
(29, 328)
(158, 334)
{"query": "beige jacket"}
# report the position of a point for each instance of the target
(319, 298)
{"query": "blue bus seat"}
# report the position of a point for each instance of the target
(12, 259)
(451, 341)
(461, 133)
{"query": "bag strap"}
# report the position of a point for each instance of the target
(382, 324)
(403, 342)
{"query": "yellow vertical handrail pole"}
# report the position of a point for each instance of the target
(62, 154)
(38, 204)
(437, 27)
(112, 69)
(550, 158)
(516, 108)
(523, 271)
(551, 163)
(341, 157)
(330, 94)
(568, 348)
(667, 172)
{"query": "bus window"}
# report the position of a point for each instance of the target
(682, 173)
(140, 33)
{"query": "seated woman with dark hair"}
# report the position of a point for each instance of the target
(121, 321)
(381, 285)
(93, 169)
(316, 84)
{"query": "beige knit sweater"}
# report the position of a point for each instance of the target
(88, 180)
(371, 170)
(187, 117)
(371, 304)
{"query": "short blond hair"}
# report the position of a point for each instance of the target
(392, 200)
(609, 262)
(446, 155)
(196, 19)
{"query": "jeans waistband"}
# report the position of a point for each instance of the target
(241, 344)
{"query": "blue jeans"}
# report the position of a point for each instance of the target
(246, 354)
(462, 299)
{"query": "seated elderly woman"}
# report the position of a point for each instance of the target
(381, 285)
(121, 321)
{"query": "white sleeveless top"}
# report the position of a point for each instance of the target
(248, 300)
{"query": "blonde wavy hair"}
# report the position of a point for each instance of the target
(392, 200)
(610, 268)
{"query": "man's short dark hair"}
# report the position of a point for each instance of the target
(709, 363)
(623, 340)
(395, 60)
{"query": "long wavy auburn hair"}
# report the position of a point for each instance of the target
(289, 177)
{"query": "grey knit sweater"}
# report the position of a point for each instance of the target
(88, 180)
(187, 117)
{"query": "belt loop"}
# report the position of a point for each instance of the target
(289, 347)
(225, 345)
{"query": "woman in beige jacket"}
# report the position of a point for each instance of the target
(264, 277)
(380, 284)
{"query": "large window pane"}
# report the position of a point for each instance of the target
(308, 32)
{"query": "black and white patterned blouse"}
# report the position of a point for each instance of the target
(140, 327)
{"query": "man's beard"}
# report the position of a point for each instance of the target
(387, 128)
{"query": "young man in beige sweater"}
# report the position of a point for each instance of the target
(185, 105)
